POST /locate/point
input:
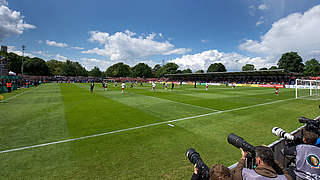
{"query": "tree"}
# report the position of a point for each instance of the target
(273, 67)
(95, 72)
(200, 71)
(248, 67)
(36, 66)
(217, 67)
(142, 70)
(312, 68)
(119, 70)
(264, 68)
(187, 71)
(14, 62)
(70, 68)
(55, 67)
(155, 69)
(169, 68)
(291, 62)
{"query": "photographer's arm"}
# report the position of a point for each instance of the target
(241, 164)
(195, 175)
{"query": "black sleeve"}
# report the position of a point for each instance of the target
(291, 151)
(195, 177)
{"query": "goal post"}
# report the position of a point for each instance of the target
(307, 88)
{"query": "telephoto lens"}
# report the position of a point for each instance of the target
(238, 142)
(194, 158)
(282, 134)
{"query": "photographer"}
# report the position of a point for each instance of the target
(307, 157)
(217, 172)
(266, 166)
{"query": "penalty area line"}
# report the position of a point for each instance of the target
(139, 127)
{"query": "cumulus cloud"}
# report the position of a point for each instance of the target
(77, 48)
(252, 10)
(61, 58)
(53, 43)
(127, 46)
(11, 22)
(204, 41)
(260, 21)
(232, 61)
(90, 63)
(263, 7)
(4, 2)
(296, 32)
(13, 49)
(42, 53)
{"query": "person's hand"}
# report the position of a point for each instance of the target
(195, 169)
(243, 153)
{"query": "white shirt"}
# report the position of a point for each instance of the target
(123, 85)
(153, 84)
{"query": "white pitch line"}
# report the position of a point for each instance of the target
(179, 102)
(139, 127)
(12, 97)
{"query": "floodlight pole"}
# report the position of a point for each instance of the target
(23, 48)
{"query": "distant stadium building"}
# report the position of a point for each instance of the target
(263, 78)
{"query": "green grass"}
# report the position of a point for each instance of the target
(54, 112)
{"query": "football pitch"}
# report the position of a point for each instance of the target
(62, 131)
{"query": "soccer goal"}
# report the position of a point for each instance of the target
(308, 89)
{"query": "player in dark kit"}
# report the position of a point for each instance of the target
(91, 87)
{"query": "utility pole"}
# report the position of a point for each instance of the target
(23, 48)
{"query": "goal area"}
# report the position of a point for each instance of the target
(307, 89)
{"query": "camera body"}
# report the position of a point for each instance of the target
(238, 142)
(311, 125)
(194, 158)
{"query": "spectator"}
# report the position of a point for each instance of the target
(267, 167)
(217, 172)
(307, 157)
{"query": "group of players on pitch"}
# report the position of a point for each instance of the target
(153, 86)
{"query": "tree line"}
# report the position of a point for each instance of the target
(290, 61)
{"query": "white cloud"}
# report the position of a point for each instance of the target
(77, 48)
(13, 49)
(61, 58)
(11, 22)
(127, 47)
(53, 43)
(296, 32)
(90, 63)
(232, 61)
(42, 53)
(4, 2)
(204, 41)
(260, 21)
(263, 7)
(252, 10)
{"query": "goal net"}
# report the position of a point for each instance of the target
(308, 89)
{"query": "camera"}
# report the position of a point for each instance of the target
(238, 142)
(290, 139)
(311, 125)
(282, 134)
(194, 158)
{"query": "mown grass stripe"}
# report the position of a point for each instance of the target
(139, 127)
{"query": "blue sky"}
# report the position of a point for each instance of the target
(191, 33)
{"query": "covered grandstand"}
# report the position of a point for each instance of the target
(277, 76)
